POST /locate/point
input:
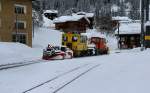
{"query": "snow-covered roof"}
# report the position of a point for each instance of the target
(69, 18)
(50, 11)
(147, 23)
(94, 34)
(122, 19)
(129, 28)
(86, 14)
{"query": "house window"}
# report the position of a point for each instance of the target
(122, 38)
(20, 9)
(20, 24)
(21, 38)
(132, 38)
(83, 39)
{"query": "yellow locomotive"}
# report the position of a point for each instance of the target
(82, 45)
(76, 42)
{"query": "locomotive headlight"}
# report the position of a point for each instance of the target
(65, 38)
(74, 38)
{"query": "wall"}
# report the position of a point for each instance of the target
(8, 18)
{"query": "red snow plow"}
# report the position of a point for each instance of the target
(52, 53)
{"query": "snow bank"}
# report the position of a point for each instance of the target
(112, 42)
(16, 52)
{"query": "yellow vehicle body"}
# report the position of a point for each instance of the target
(76, 42)
(147, 37)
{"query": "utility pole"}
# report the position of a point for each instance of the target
(142, 25)
(147, 10)
(118, 36)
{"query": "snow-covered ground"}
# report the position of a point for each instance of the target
(125, 72)
(16, 52)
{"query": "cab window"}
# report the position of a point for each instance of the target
(83, 39)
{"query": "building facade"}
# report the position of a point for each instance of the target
(76, 23)
(129, 34)
(16, 21)
(129, 41)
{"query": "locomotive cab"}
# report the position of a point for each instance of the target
(100, 43)
(76, 42)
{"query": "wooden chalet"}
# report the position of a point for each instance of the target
(90, 16)
(129, 35)
(51, 14)
(75, 23)
(117, 20)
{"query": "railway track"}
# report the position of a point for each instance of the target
(59, 82)
(19, 64)
(24, 63)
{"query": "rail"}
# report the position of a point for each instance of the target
(70, 72)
